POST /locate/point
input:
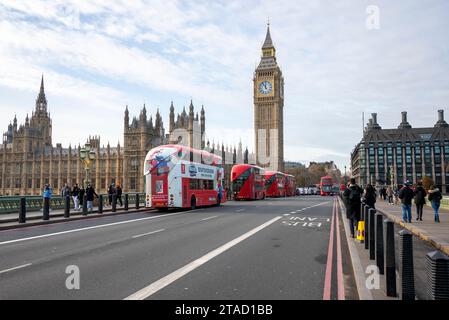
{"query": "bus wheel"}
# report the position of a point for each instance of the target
(193, 203)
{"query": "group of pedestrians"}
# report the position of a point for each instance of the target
(419, 194)
(353, 196)
(77, 193)
(117, 191)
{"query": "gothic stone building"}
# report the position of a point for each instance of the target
(391, 156)
(268, 85)
(28, 158)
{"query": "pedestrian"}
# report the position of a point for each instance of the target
(81, 196)
(353, 197)
(370, 196)
(90, 195)
(220, 193)
(406, 195)
(119, 194)
(75, 194)
(65, 191)
(435, 198)
(396, 195)
(420, 200)
(390, 195)
(111, 191)
(47, 193)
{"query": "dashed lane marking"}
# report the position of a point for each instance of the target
(208, 218)
(147, 234)
(15, 268)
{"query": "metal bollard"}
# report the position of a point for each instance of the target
(407, 269)
(380, 243)
(67, 207)
(390, 259)
(137, 201)
(372, 234)
(84, 205)
(114, 203)
(22, 210)
(437, 271)
(366, 218)
(126, 202)
(100, 203)
(46, 211)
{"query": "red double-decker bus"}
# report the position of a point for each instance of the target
(247, 182)
(326, 185)
(274, 184)
(290, 185)
(181, 177)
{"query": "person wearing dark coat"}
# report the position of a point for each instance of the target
(353, 198)
(81, 193)
(406, 195)
(90, 195)
(420, 200)
(370, 196)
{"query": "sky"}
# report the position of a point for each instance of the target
(339, 59)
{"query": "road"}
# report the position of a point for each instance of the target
(272, 249)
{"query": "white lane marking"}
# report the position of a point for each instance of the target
(88, 228)
(15, 268)
(293, 212)
(208, 218)
(239, 210)
(287, 214)
(147, 234)
(170, 278)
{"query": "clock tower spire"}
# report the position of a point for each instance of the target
(268, 98)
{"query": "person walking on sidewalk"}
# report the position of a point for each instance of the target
(75, 194)
(370, 196)
(420, 200)
(390, 194)
(90, 194)
(48, 192)
(435, 199)
(119, 194)
(406, 195)
(81, 196)
(353, 197)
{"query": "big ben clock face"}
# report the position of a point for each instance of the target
(265, 87)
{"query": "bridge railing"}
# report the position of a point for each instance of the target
(11, 204)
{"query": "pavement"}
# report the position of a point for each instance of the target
(363, 267)
(286, 248)
(437, 234)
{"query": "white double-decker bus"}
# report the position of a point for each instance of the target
(181, 177)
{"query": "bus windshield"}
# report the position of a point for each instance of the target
(270, 181)
(237, 184)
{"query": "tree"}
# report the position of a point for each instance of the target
(427, 182)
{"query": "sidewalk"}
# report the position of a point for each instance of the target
(360, 263)
(436, 234)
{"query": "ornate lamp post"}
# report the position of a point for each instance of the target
(87, 155)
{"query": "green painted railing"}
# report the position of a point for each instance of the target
(10, 204)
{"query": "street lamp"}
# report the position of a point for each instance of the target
(345, 177)
(87, 155)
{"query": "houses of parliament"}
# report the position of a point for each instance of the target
(29, 159)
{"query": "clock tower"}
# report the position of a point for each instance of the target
(269, 109)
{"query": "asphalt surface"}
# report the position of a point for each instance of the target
(271, 249)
